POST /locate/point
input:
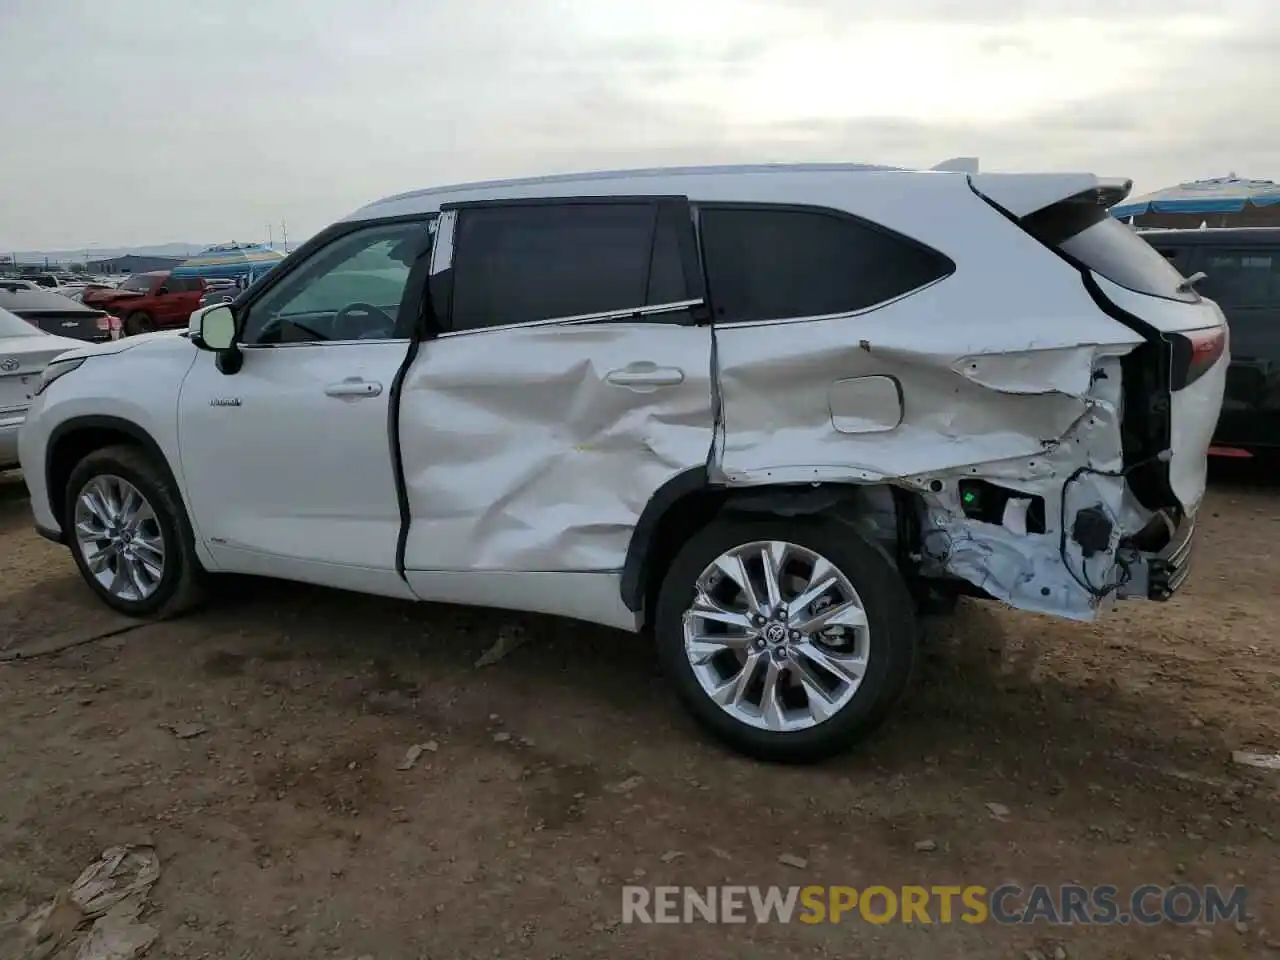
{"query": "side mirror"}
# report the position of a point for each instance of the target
(213, 328)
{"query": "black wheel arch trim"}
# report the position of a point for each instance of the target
(95, 422)
(635, 566)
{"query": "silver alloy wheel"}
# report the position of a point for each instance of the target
(119, 537)
(777, 636)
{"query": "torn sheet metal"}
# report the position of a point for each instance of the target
(537, 449)
(1021, 402)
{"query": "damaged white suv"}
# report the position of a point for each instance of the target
(766, 412)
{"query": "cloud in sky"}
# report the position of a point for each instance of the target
(155, 120)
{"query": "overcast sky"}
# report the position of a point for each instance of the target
(167, 120)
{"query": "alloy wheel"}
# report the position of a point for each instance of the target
(119, 537)
(777, 636)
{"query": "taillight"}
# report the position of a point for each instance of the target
(104, 323)
(1195, 352)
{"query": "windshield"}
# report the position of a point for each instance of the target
(13, 326)
(140, 283)
(1091, 237)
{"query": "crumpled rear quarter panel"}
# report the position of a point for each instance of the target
(996, 366)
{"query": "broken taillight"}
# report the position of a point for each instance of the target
(1195, 352)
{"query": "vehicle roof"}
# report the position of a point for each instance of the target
(40, 301)
(1019, 193)
(1216, 235)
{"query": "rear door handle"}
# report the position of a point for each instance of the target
(645, 375)
(353, 388)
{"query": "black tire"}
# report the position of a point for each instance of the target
(182, 582)
(139, 322)
(890, 616)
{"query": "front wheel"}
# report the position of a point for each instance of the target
(129, 534)
(788, 640)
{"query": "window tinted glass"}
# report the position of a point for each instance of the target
(766, 264)
(348, 290)
(524, 263)
(1084, 231)
(1242, 278)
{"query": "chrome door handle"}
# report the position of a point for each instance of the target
(645, 375)
(353, 388)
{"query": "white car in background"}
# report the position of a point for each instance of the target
(25, 353)
(763, 412)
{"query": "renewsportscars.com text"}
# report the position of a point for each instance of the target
(1147, 904)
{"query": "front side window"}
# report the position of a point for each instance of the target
(772, 263)
(348, 290)
(529, 262)
(1243, 278)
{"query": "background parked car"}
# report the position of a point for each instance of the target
(149, 301)
(24, 353)
(1241, 270)
(60, 315)
(220, 290)
(15, 284)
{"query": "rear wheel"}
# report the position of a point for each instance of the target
(130, 535)
(788, 640)
(138, 322)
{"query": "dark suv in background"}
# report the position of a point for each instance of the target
(1241, 270)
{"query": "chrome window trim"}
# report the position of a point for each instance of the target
(320, 343)
(631, 313)
(725, 325)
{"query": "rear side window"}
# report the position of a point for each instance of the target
(1242, 278)
(529, 262)
(771, 263)
(1089, 236)
(13, 326)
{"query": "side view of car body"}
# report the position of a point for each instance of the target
(764, 412)
(25, 352)
(149, 301)
(1241, 270)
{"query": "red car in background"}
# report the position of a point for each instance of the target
(149, 301)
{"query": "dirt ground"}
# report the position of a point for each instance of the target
(566, 770)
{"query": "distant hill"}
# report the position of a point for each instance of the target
(106, 253)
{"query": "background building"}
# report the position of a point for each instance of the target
(132, 263)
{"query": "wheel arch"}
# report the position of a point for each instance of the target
(689, 501)
(74, 439)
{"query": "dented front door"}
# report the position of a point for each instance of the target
(532, 442)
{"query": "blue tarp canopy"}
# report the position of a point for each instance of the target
(1221, 195)
(236, 261)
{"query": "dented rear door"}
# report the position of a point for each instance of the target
(569, 379)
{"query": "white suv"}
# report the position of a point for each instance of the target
(767, 412)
